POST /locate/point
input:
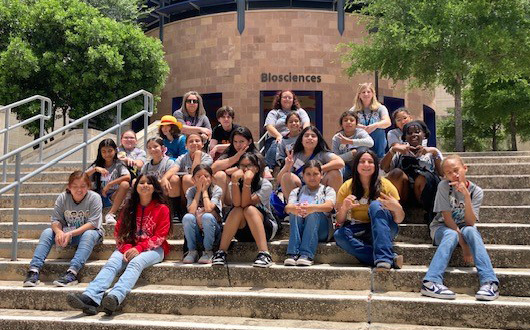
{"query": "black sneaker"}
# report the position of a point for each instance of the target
(110, 304)
(219, 258)
(83, 302)
(67, 279)
(263, 260)
(32, 279)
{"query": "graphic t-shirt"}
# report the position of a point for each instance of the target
(116, 170)
(318, 196)
(72, 215)
(159, 169)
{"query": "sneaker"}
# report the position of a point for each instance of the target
(219, 258)
(176, 219)
(436, 290)
(383, 265)
(32, 279)
(110, 219)
(304, 261)
(398, 261)
(291, 260)
(67, 279)
(263, 260)
(190, 257)
(110, 304)
(83, 302)
(488, 292)
(206, 257)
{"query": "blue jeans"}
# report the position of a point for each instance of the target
(305, 233)
(115, 265)
(270, 153)
(373, 248)
(84, 242)
(192, 232)
(379, 137)
(447, 240)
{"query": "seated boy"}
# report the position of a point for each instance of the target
(457, 203)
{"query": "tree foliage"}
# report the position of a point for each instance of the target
(442, 42)
(120, 10)
(68, 51)
(478, 135)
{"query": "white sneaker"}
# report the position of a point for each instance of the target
(436, 290)
(206, 257)
(290, 261)
(488, 292)
(110, 219)
(190, 257)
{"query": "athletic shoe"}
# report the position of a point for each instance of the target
(398, 261)
(190, 257)
(110, 304)
(304, 261)
(383, 265)
(32, 279)
(488, 292)
(83, 302)
(219, 258)
(206, 257)
(263, 260)
(67, 279)
(291, 260)
(436, 290)
(110, 219)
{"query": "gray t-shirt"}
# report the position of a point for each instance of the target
(159, 169)
(264, 194)
(286, 145)
(448, 199)
(360, 139)
(394, 136)
(72, 215)
(368, 117)
(215, 197)
(116, 170)
(184, 162)
(276, 118)
(199, 121)
(318, 196)
(135, 153)
(300, 160)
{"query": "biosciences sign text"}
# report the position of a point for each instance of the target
(269, 77)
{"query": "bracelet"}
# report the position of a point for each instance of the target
(247, 185)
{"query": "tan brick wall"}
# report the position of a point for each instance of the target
(209, 55)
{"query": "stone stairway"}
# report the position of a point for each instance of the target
(335, 293)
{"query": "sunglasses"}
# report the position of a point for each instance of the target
(192, 101)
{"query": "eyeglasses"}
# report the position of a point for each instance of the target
(287, 97)
(192, 101)
(245, 166)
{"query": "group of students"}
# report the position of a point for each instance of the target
(349, 193)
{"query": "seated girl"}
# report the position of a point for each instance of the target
(75, 221)
(141, 241)
(369, 212)
(348, 139)
(400, 117)
(294, 125)
(170, 131)
(251, 217)
(133, 157)
(204, 215)
(414, 167)
(110, 177)
(310, 145)
(309, 210)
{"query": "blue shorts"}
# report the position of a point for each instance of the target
(107, 201)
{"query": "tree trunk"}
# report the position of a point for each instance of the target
(513, 131)
(459, 138)
(494, 141)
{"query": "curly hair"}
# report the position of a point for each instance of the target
(277, 101)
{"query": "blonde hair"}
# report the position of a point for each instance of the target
(358, 104)
(453, 157)
(200, 108)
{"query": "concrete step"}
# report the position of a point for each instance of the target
(45, 200)
(506, 153)
(502, 256)
(498, 168)
(62, 166)
(47, 176)
(506, 197)
(40, 187)
(501, 181)
(488, 214)
(319, 305)
(496, 159)
(492, 233)
(514, 282)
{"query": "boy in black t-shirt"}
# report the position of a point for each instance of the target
(221, 133)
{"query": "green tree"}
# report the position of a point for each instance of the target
(435, 42)
(68, 51)
(120, 10)
(477, 133)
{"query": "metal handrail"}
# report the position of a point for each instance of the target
(146, 113)
(261, 140)
(42, 116)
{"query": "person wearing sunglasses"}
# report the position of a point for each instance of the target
(193, 116)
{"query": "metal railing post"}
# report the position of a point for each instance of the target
(146, 120)
(118, 121)
(41, 145)
(16, 202)
(85, 138)
(6, 145)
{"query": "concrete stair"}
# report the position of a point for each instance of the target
(336, 293)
